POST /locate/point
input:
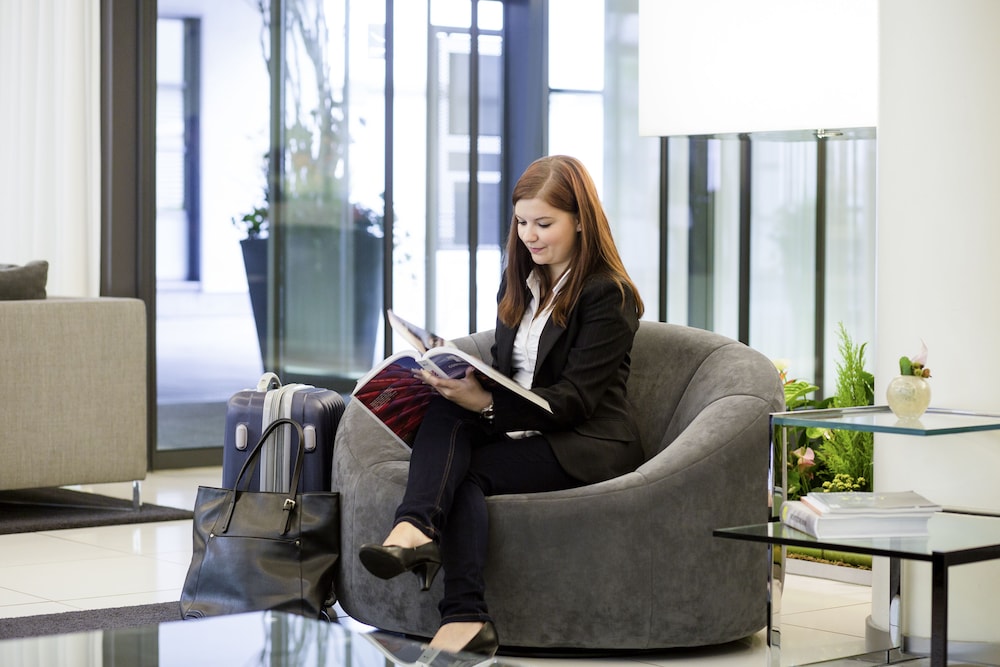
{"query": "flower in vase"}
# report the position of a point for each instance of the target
(917, 364)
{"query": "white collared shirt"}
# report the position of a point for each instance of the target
(525, 353)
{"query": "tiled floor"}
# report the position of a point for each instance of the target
(137, 564)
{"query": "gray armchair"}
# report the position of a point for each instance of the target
(629, 563)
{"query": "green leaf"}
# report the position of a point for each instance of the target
(817, 432)
(796, 391)
(905, 367)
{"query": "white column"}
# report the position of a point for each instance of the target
(938, 269)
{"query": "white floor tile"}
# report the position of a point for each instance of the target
(170, 488)
(41, 548)
(145, 539)
(77, 580)
(11, 598)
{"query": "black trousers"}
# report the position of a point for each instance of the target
(454, 465)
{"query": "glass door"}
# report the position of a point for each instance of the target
(275, 169)
(326, 191)
(212, 114)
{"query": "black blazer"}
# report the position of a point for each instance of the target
(581, 370)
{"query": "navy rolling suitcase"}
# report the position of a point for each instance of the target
(251, 410)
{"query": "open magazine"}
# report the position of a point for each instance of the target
(394, 392)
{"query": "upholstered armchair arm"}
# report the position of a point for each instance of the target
(73, 408)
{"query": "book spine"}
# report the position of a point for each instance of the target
(797, 516)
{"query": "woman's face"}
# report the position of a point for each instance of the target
(549, 234)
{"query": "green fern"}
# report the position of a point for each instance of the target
(845, 452)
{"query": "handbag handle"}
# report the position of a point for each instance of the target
(251, 462)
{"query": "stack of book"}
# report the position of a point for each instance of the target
(860, 514)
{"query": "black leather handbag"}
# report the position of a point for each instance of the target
(257, 550)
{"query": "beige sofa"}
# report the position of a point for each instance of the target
(72, 392)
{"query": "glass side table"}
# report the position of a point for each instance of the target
(873, 419)
(954, 539)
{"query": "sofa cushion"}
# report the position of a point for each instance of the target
(23, 282)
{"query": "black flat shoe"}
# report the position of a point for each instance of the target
(486, 642)
(387, 562)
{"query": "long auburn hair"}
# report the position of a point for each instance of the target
(563, 183)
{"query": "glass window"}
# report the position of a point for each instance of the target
(850, 250)
(431, 157)
(576, 45)
(576, 126)
(595, 119)
(783, 252)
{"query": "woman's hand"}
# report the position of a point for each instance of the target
(465, 391)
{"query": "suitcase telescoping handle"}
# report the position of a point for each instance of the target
(268, 381)
(251, 463)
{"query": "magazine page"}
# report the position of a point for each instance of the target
(452, 362)
(395, 394)
(421, 339)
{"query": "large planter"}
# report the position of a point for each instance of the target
(255, 262)
(331, 302)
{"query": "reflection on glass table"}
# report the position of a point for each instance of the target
(267, 639)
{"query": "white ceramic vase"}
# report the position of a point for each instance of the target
(908, 396)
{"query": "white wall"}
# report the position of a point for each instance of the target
(938, 269)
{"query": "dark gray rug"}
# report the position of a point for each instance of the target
(89, 620)
(33, 510)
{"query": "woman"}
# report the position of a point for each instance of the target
(567, 315)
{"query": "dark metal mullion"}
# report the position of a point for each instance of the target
(433, 170)
(664, 225)
(192, 143)
(388, 216)
(746, 183)
(473, 202)
(275, 262)
(701, 209)
(820, 293)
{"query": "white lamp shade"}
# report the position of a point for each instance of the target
(730, 66)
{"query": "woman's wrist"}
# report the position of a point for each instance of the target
(487, 412)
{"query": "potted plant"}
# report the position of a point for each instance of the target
(822, 459)
(327, 248)
(254, 225)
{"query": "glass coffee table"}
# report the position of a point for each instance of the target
(956, 538)
(272, 639)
